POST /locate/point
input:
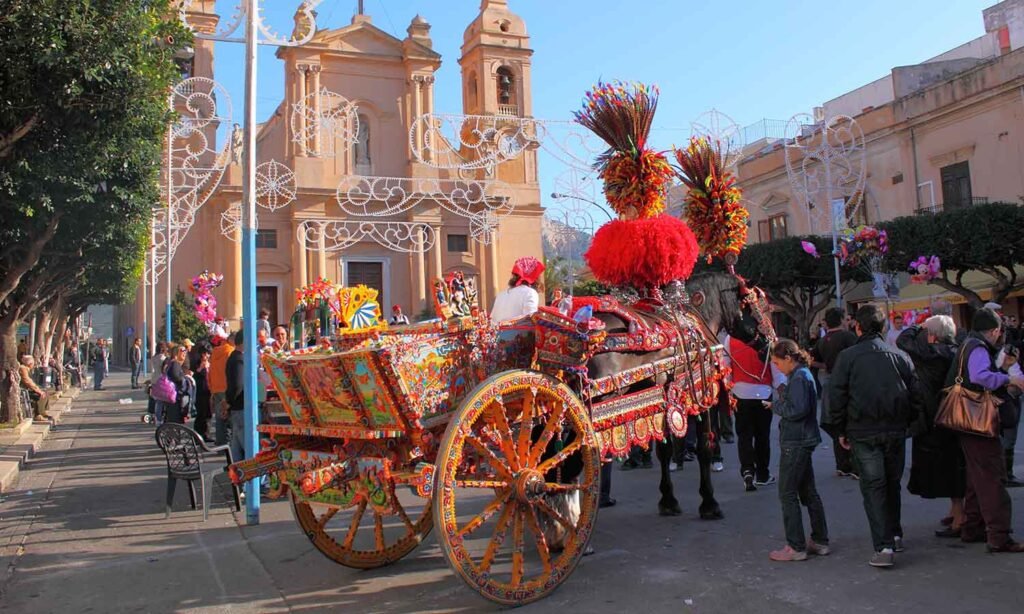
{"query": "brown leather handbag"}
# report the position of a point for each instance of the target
(966, 411)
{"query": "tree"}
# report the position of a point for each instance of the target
(799, 283)
(83, 112)
(985, 238)
(185, 324)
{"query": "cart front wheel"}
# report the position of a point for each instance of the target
(517, 487)
(362, 537)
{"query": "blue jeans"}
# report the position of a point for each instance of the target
(136, 372)
(220, 436)
(879, 462)
(796, 487)
(97, 377)
(237, 421)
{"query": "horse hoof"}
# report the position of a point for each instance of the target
(715, 514)
(669, 510)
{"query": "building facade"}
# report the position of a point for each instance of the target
(367, 188)
(943, 134)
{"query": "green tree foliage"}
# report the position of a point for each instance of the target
(185, 324)
(798, 283)
(83, 113)
(987, 239)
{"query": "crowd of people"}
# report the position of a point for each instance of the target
(879, 388)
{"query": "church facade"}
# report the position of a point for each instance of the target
(366, 208)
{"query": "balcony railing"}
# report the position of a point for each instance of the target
(959, 204)
(508, 110)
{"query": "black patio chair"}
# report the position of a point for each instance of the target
(185, 450)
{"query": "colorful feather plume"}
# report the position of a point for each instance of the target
(713, 208)
(636, 178)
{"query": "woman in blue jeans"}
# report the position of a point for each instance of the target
(796, 405)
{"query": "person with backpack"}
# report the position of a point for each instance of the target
(874, 397)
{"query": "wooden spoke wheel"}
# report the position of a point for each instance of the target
(517, 451)
(360, 536)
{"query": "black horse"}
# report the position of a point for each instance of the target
(718, 301)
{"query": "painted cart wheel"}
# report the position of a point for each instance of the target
(517, 452)
(362, 537)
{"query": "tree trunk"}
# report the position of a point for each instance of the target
(42, 331)
(10, 380)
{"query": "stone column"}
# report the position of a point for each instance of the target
(430, 109)
(417, 102)
(299, 278)
(435, 253)
(493, 285)
(233, 276)
(321, 259)
(420, 276)
(301, 140)
(315, 90)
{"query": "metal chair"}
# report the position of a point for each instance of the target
(184, 450)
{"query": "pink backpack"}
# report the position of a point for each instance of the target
(164, 389)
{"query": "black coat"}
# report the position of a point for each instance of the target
(873, 391)
(937, 467)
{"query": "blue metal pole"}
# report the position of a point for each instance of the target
(250, 353)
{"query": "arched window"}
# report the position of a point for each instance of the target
(506, 86)
(361, 148)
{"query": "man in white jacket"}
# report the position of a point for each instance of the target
(520, 299)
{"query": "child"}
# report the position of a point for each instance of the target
(796, 404)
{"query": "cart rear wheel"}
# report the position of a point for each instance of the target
(514, 455)
(362, 537)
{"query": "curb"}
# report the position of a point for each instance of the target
(14, 456)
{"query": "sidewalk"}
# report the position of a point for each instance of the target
(84, 529)
(19, 444)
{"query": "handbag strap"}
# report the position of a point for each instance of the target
(959, 379)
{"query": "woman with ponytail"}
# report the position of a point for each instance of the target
(796, 405)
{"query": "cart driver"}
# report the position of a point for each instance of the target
(520, 299)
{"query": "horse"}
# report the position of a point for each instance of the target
(718, 301)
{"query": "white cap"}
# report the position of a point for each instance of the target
(993, 306)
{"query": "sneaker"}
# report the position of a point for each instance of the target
(1013, 482)
(748, 482)
(818, 549)
(689, 457)
(765, 482)
(885, 558)
(674, 466)
(898, 544)
(787, 554)
(717, 467)
(854, 475)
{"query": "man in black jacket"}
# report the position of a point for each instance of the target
(874, 397)
(234, 397)
(826, 353)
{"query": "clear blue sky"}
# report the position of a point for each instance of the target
(750, 59)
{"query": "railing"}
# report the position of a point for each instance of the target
(508, 110)
(765, 129)
(960, 204)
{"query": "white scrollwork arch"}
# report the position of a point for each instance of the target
(337, 235)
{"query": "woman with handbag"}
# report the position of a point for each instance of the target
(937, 463)
(978, 386)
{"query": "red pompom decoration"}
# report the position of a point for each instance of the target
(642, 253)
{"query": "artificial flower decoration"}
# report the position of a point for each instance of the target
(925, 269)
(713, 208)
(205, 303)
(311, 295)
(636, 178)
(862, 245)
(643, 253)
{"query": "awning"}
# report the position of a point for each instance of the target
(920, 296)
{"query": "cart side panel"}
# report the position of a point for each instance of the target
(285, 378)
(432, 374)
(330, 392)
(370, 385)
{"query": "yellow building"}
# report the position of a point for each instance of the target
(390, 83)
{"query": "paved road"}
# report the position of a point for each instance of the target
(84, 532)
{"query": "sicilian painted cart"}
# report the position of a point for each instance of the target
(483, 431)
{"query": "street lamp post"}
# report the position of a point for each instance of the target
(253, 27)
(559, 196)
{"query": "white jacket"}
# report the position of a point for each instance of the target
(515, 303)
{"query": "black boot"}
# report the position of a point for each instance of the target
(1011, 480)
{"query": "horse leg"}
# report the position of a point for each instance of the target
(709, 508)
(668, 505)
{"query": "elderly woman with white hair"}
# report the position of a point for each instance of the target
(937, 468)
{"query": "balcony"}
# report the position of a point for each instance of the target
(960, 204)
(508, 110)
